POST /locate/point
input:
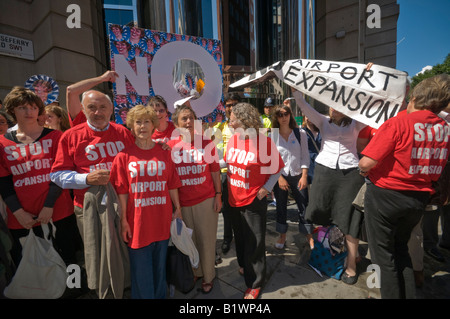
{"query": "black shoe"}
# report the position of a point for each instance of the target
(226, 247)
(349, 280)
(419, 278)
(445, 247)
(218, 259)
(435, 254)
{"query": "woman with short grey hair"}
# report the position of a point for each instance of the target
(253, 167)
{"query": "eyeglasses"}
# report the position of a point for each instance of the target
(283, 114)
(230, 104)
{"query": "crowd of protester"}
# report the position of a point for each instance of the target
(162, 170)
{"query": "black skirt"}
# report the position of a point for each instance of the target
(331, 196)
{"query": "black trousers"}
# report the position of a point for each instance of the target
(430, 227)
(249, 225)
(390, 218)
(226, 211)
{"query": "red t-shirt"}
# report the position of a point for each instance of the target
(165, 135)
(146, 176)
(30, 166)
(79, 119)
(194, 166)
(367, 132)
(411, 151)
(84, 150)
(250, 163)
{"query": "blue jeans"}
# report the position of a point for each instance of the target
(148, 271)
(300, 197)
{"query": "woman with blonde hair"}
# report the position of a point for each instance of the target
(56, 118)
(146, 215)
(253, 167)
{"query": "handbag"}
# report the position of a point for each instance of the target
(181, 257)
(322, 258)
(41, 273)
(179, 270)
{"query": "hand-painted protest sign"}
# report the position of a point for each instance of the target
(369, 96)
(44, 87)
(146, 61)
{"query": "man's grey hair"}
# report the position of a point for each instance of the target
(90, 91)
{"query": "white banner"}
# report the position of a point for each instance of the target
(368, 96)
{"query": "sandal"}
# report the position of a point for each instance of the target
(207, 287)
(252, 293)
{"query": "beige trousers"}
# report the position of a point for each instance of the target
(202, 219)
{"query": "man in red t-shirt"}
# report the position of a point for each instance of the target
(86, 151)
(74, 107)
(402, 160)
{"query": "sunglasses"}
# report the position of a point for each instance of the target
(230, 104)
(283, 114)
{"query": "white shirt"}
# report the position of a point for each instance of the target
(294, 155)
(445, 116)
(338, 142)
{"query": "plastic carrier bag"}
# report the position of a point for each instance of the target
(41, 273)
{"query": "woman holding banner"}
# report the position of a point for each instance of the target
(402, 160)
(336, 179)
(253, 167)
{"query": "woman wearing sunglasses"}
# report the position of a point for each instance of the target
(292, 143)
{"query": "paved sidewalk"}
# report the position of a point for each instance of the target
(290, 277)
